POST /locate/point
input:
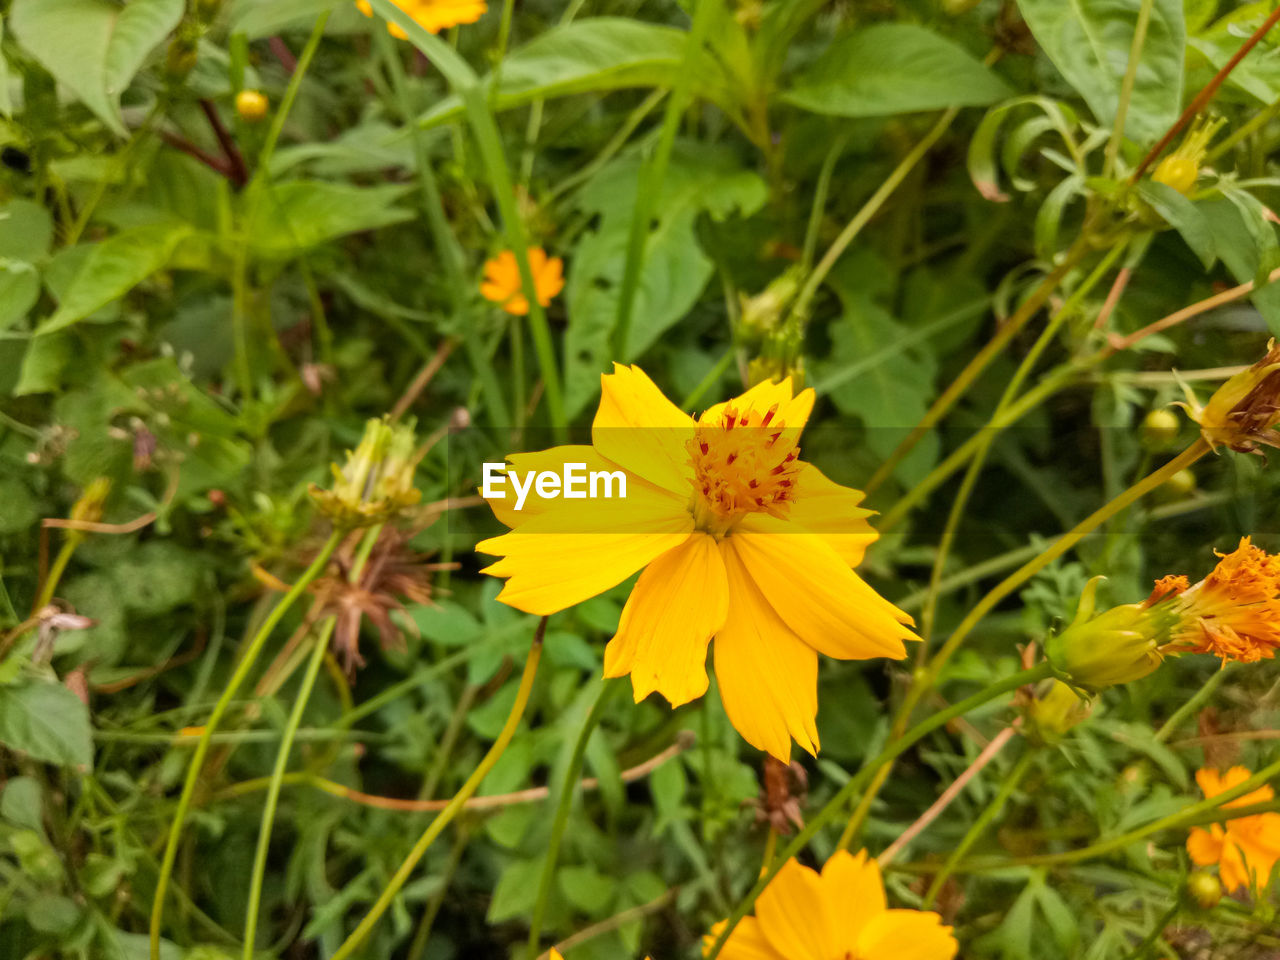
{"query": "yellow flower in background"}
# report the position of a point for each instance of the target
(1242, 413)
(502, 280)
(738, 539)
(432, 15)
(1232, 613)
(1245, 849)
(838, 914)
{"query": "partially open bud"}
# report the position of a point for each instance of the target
(1054, 712)
(763, 313)
(377, 481)
(1181, 169)
(1119, 645)
(1242, 414)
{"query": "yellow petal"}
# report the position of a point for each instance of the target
(768, 676)
(563, 556)
(832, 512)
(906, 935)
(854, 892)
(793, 916)
(640, 429)
(793, 412)
(680, 600)
(552, 459)
(815, 593)
(747, 942)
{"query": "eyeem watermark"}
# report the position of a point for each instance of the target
(574, 483)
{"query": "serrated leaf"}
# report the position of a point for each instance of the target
(894, 68)
(1089, 42)
(94, 47)
(47, 722)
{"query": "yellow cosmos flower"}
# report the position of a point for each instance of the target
(840, 914)
(1245, 849)
(502, 280)
(432, 15)
(738, 539)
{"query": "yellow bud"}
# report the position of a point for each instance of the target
(1178, 172)
(1205, 889)
(252, 105)
(1052, 714)
(1160, 429)
(1181, 485)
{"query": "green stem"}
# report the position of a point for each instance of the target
(1157, 931)
(860, 779)
(59, 567)
(654, 173)
(1126, 88)
(202, 748)
(568, 790)
(868, 210)
(401, 876)
(979, 826)
(1192, 703)
(710, 380)
(301, 699)
(821, 189)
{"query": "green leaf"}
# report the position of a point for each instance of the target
(516, 891)
(1258, 74)
(675, 271)
(1089, 42)
(112, 268)
(587, 888)
(19, 291)
(94, 47)
(47, 722)
(26, 231)
(262, 18)
(894, 68)
(21, 804)
(1183, 215)
(43, 363)
(300, 214)
(1246, 243)
(593, 55)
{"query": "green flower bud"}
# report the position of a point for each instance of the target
(1119, 645)
(1205, 889)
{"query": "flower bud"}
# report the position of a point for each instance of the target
(377, 481)
(1119, 645)
(1052, 714)
(1204, 889)
(763, 313)
(1160, 429)
(1182, 484)
(252, 105)
(1243, 412)
(88, 509)
(1181, 169)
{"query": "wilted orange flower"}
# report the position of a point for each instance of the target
(502, 280)
(737, 538)
(1234, 612)
(432, 15)
(1242, 414)
(1245, 849)
(840, 913)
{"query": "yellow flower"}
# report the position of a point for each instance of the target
(432, 15)
(1243, 412)
(252, 105)
(1181, 169)
(738, 539)
(838, 915)
(1245, 849)
(502, 280)
(1232, 613)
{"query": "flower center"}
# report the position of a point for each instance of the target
(743, 462)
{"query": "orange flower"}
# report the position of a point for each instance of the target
(1245, 849)
(1234, 612)
(502, 280)
(432, 15)
(840, 913)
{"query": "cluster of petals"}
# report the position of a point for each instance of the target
(1233, 613)
(1245, 849)
(839, 914)
(738, 539)
(432, 15)
(502, 284)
